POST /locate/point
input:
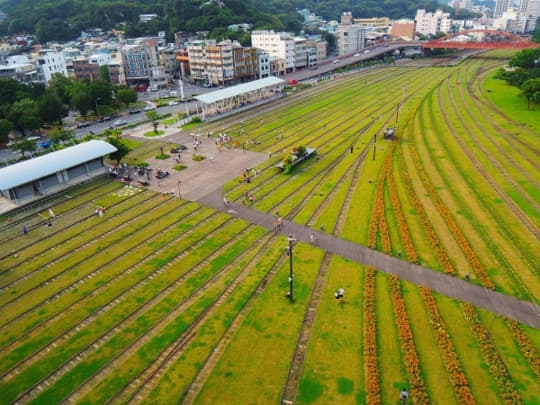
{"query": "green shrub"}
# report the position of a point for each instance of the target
(163, 156)
(152, 133)
(179, 167)
(198, 158)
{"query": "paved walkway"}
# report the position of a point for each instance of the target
(522, 311)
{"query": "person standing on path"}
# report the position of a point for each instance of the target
(25, 230)
(403, 396)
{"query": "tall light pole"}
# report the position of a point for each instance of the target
(96, 103)
(178, 185)
(291, 240)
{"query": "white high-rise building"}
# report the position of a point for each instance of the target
(530, 8)
(50, 62)
(277, 44)
(501, 6)
(350, 37)
(432, 23)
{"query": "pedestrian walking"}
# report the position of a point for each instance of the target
(251, 198)
(403, 396)
(313, 239)
(25, 230)
(225, 201)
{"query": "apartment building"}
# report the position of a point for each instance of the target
(432, 23)
(219, 62)
(50, 62)
(350, 37)
(246, 63)
(280, 45)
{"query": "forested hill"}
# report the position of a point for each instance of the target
(64, 19)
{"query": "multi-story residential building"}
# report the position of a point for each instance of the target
(196, 51)
(433, 23)
(350, 37)
(263, 64)
(530, 8)
(182, 57)
(501, 6)
(88, 68)
(404, 29)
(301, 52)
(246, 63)
(142, 66)
(117, 73)
(277, 66)
(219, 62)
(280, 45)
(167, 59)
(50, 62)
(378, 23)
(321, 49)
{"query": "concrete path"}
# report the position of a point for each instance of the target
(505, 305)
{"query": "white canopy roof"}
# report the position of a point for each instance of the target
(33, 169)
(229, 92)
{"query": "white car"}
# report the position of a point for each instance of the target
(149, 108)
(356, 54)
(173, 102)
(335, 61)
(366, 51)
(119, 123)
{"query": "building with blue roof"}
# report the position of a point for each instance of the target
(29, 180)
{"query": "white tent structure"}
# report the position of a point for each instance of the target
(246, 95)
(31, 179)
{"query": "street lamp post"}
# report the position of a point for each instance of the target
(178, 185)
(291, 240)
(96, 103)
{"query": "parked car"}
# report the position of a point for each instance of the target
(136, 111)
(119, 123)
(173, 102)
(161, 174)
(107, 118)
(149, 108)
(83, 124)
(44, 144)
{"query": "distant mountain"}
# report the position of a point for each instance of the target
(65, 19)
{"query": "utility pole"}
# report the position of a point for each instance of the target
(291, 240)
(374, 146)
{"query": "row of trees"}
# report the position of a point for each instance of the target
(27, 107)
(525, 74)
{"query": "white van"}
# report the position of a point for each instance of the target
(172, 93)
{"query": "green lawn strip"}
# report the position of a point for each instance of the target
(255, 373)
(533, 335)
(475, 368)
(303, 181)
(417, 231)
(11, 235)
(525, 135)
(472, 140)
(518, 368)
(359, 214)
(83, 198)
(330, 215)
(393, 376)
(506, 98)
(301, 114)
(438, 384)
(65, 240)
(318, 121)
(90, 257)
(333, 368)
(458, 200)
(86, 336)
(80, 303)
(34, 340)
(476, 212)
(211, 330)
(117, 196)
(490, 132)
(91, 365)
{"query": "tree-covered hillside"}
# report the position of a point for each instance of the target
(64, 19)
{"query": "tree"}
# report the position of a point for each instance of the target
(126, 95)
(526, 59)
(60, 135)
(5, 127)
(24, 115)
(80, 99)
(62, 86)
(531, 90)
(51, 108)
(104, 72)
(122, 149)
(153, 116)
(24, 145)
(102, 90)
(536, 32)
(331, 40)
